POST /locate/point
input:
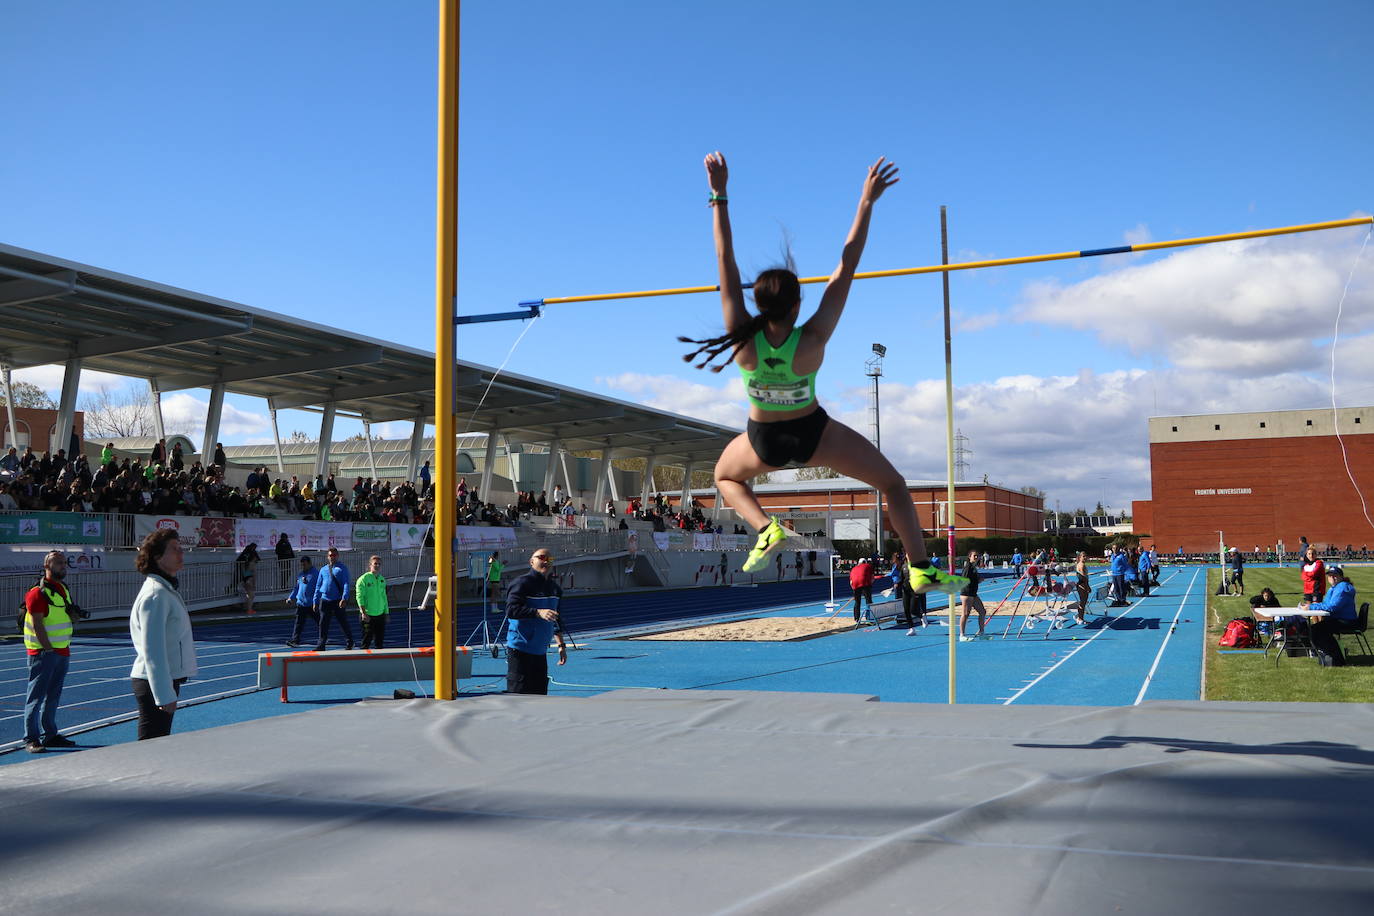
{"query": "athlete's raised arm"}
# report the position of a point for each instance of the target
(731, 293)
(881, 176)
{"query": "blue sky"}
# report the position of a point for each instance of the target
(282, 155)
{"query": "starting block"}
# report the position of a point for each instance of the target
(353, 666)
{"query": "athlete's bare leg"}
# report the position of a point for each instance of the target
(851, 454)
(737, 465)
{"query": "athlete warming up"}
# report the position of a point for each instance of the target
(779, 360)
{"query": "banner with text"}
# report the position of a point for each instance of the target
(192, 530)
(51, 528)
(304, 535)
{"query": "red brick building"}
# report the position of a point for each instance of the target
(981, 510)
(35, 426)
(1260, 478)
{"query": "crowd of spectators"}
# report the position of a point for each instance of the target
(659, 511)
(165, 485)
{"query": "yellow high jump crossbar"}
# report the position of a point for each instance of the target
(995, 262)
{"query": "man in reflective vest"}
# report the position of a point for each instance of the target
(47, 637)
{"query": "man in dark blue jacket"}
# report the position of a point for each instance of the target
(532, 606)
(303, 596)
(331, 591)
(1120, 563)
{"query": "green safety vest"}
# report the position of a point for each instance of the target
(58, 623)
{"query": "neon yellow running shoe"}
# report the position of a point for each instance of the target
(934, 579)
(770, 539)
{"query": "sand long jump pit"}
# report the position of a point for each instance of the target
(757, 629)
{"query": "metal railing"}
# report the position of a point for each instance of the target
(110, 593)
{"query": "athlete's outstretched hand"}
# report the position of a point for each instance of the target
(881, 176)
(717, 172)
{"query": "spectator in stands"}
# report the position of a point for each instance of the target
(10, 463)
(159, 455)
(7, 500)
(1313, 576)
(160, 625)
(425, 477)
(178, 460)
(220, 461)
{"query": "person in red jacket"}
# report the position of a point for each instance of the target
(861, 580)
(1313, 576)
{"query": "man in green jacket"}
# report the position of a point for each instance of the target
(370, 592)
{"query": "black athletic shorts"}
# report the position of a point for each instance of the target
(526, 672)
(788, 441)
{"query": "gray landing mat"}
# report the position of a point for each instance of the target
(641, 802)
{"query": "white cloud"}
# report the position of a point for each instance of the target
(1243, 308)
(49, 378)
(185, 413)
(722, 403)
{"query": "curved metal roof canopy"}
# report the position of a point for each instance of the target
(56, 310)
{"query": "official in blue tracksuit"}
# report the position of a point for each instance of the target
(1143, 572)
(532, 609)
(1120, 565)
(331, 591)
(303, 596)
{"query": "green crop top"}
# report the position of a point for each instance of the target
(772, 385)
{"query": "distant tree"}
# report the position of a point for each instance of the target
(27, 394)
(817, 473)
(112, 413)
(298, 437)
(1099, 510)
(1033, 491)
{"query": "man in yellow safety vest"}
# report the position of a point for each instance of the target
(47, 637)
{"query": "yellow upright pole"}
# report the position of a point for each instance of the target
(949, 454)
(445, 354)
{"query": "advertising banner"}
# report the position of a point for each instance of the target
(671, 540)
(703, 541)
(304, 535)
(371, 534)
(403, 536)
(592, 523)
(192, 531)
(733, 541)
(51, 528)
(471, 537)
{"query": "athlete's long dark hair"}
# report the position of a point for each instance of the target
(776, 292)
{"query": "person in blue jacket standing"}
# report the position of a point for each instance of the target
(532, 606)
(331, 591)
(1120, 565)
(303, 596)
(1143, 572)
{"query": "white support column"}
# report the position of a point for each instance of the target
(417, 437)
(555, 450)
(610, 474)
(155, 398)
(367, 437)
(207, 449)
(326, 439)
(9, 410)
(66, 417)
(647, 486)
(488, 466)
(603, 468)
(685, 503)
(567, 477)
(276, 436)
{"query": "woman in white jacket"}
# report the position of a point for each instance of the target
(161, 629)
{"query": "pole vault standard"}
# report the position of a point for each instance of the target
(534, 305)
(445, 352)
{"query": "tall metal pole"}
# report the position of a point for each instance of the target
(445, 354)
(874, 369)
(949, 448)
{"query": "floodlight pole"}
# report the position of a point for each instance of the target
(873, 368)
(445, 356)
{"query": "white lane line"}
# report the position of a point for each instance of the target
(1167, 636)
(1105, 628)
(130, 697)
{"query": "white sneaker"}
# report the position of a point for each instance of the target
(966, 638)
(911, 632)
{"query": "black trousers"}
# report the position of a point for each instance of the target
(153, 721)
(328, 611)
(374, 631)
(860, 593)
(304, 612)
(913, 607)
(526, 672)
